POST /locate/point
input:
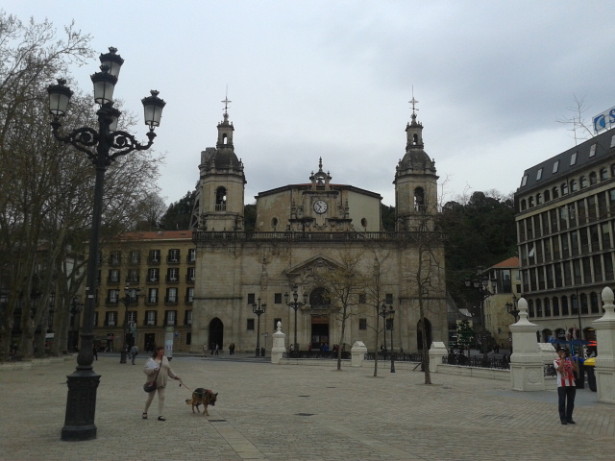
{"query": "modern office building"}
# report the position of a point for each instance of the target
(146, 291)
(565, 225)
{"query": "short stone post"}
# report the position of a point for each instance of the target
(278, 349)
(357, 353)
(526, 361)
(605, 337)
(436, 352)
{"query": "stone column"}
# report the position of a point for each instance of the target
(436, 352)
(526, 362)
(357, 353)
(605, 361)
(278, 349)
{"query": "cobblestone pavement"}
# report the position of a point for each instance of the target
(290, 412)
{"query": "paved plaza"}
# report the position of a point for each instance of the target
(290, 412)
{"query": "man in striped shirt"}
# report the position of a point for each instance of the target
(565, 368)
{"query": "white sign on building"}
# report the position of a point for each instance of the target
(604, 120)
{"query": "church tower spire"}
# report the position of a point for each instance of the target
(222, 182)
(416, 181)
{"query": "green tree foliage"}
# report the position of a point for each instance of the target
(480, 233)
(388, 217)
(178, 215)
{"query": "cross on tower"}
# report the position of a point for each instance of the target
(414, 102)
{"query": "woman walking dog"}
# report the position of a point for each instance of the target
(158, 366)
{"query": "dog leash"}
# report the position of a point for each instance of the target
(181, 383)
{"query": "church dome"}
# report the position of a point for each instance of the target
(416, 159)
(225, 159)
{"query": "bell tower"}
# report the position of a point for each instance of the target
(222, 182)
(416, 182)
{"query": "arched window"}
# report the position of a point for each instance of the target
(415, 139)
(419, 199)
(584, 306)
(523, 205)
(573, 185)
(225, 139)
(593, 178)
(565, 310)
(319, 299)
(593, 303)
(604, 174)
(555, 192)
(555, 301)
(564, 188)
(547, 195)
(547, 306)
(220, 199)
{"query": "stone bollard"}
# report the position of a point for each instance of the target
(526, 360)
(605, 361)
(278, 349)
(436, 352)
(357, 353)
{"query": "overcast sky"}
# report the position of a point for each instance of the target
(333, 79)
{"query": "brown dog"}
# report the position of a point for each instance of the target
(203, 397)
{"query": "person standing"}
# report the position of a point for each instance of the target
(134, 350)
(158, 364)
(565, 369)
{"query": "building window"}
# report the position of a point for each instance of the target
(114, 276)
(388, 298)
(150, 318)
(113, 296)
(573, 185)
(613, 141)
(604, 174)
(152, 296)
(573, 158)
(220, 199)
(362, 324)
(188, 318)
(362, 298)
(251, 298)
(592, 150)
(192, 255)
(189, 295)
(524, 180)
(134, 257)
(171, 296)
(173, 274)
(277, 298)
(154, 257)
(173, 256)
(115, 258)
(133, 276)
(250, 325)
(153, 275)
(555, 166)
(170, 318)
(539, 174)
(190, 276)
(110, 319)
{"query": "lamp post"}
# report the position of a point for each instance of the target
(75, 308)
(387, 313)
(102, 147)
(131, 295)
(258, 309)
(295, 305)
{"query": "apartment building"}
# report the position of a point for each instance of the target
(146, 290)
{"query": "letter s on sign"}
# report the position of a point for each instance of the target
(612, 115)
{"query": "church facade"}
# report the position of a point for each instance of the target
(249, 280)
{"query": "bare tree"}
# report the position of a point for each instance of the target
(343, 284)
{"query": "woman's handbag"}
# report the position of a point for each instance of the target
(150, 386)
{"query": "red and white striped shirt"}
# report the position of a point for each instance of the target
(565, 376)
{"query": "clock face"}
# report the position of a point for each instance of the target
(320, 206)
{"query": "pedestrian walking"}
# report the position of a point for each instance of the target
(134, 350)
(95, 352)
(565, 369)
(158, 366)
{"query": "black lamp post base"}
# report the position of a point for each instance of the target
(81, 406)
(123, 356)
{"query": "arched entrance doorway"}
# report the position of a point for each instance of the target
(419, 334)
(216, 334)
(319, 303)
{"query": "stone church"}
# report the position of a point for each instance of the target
(248, 280)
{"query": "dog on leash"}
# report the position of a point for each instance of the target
(203, 397)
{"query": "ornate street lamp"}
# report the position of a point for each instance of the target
(258, 309)
(295, 305)
(131, 296)
(102, 147)
(387, 313)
